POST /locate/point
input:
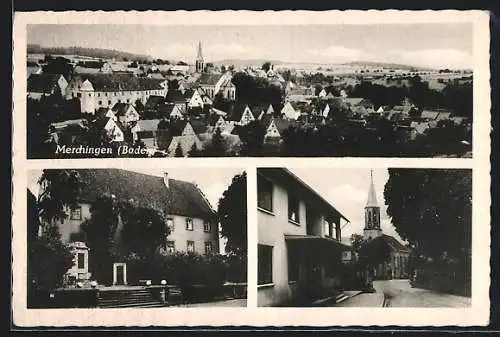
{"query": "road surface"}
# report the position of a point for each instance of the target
(399, 293)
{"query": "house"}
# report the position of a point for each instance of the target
(185, 142)
(322, 93)
(115, 130)
(188, 213)
(216, 121)
(145, 131)
(195, 100)
(242, 115)
(289, 112)
(299, 239)
(92, 67)
(270, 127)
(105, 90)
(45, 85)
(125, 113)
(213, 83)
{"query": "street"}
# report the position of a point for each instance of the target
(399, 293)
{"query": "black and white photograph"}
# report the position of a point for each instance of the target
(318, 90)
(391, 237)
(113, 238)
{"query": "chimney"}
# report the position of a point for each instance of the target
(165, 179)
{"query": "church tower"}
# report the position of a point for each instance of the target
(200, 64)
(372, 214)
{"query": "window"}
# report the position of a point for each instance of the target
(79, 95)
(265, 264)
(128, 100)
(189, 224)
(98, 94)
(100, 102)
(170, 224)
(81, 260)
(293, 209)
(90, 95)
(190, 246)
(264, 194)
(76, 214)
(208, 247)
(206, 227)
(106, 94)
(293, 265)
(119, 101)
(109, 102)
(170, 247)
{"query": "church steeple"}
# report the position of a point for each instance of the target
(200, 64)
(372, 213)
(372, 197)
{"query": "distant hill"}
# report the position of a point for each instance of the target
(385, 65)
(244, 63)
(89, 52)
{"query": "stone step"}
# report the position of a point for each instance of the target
(133, 305)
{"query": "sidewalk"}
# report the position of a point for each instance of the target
(226, 303)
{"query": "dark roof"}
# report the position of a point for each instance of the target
(392, 242)
(199, 126)
(175, 96)
(208, 79)
(120, 108)
(154, 101)
(91, 64)
(212, 119)
(32, 64)
(44, 83)
(120, 81)
(182, 198)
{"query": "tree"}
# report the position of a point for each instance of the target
(232, 215)
(223, 68)
(178, 151)
(195, 152)
(59, 65)
(216, 146)
(144, 229)
(99, 232)
(60, 190)
(49, 258)
(266, 66)
(427, 205)
(252, 136)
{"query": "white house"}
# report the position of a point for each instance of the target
(114, 130)
(125, 113)
(289, 112)
(299, 240)
(105, 90)
(196, 100)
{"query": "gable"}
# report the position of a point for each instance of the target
(272, 130)
(247, 115)
(188, 130)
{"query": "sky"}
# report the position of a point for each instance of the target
(435, 45)
(347, 190)
(212, 182)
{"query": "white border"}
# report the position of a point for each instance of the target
(477, 314)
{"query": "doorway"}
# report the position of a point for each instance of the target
(119, 274)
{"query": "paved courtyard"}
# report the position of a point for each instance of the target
(399, 293)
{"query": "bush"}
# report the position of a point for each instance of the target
(195, 274)
(48, 260)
